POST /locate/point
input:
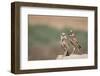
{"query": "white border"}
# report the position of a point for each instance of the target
(25, 64)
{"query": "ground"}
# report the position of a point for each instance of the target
(73, 56)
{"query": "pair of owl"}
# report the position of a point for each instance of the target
(72, 39)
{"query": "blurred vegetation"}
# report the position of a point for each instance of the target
(48, 36)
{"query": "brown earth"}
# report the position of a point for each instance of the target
(78, 23)
(47, 53)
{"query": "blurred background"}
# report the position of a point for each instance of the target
(44, 35)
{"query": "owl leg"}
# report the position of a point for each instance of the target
(66, 53)
(79, 51)
(73, 50)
